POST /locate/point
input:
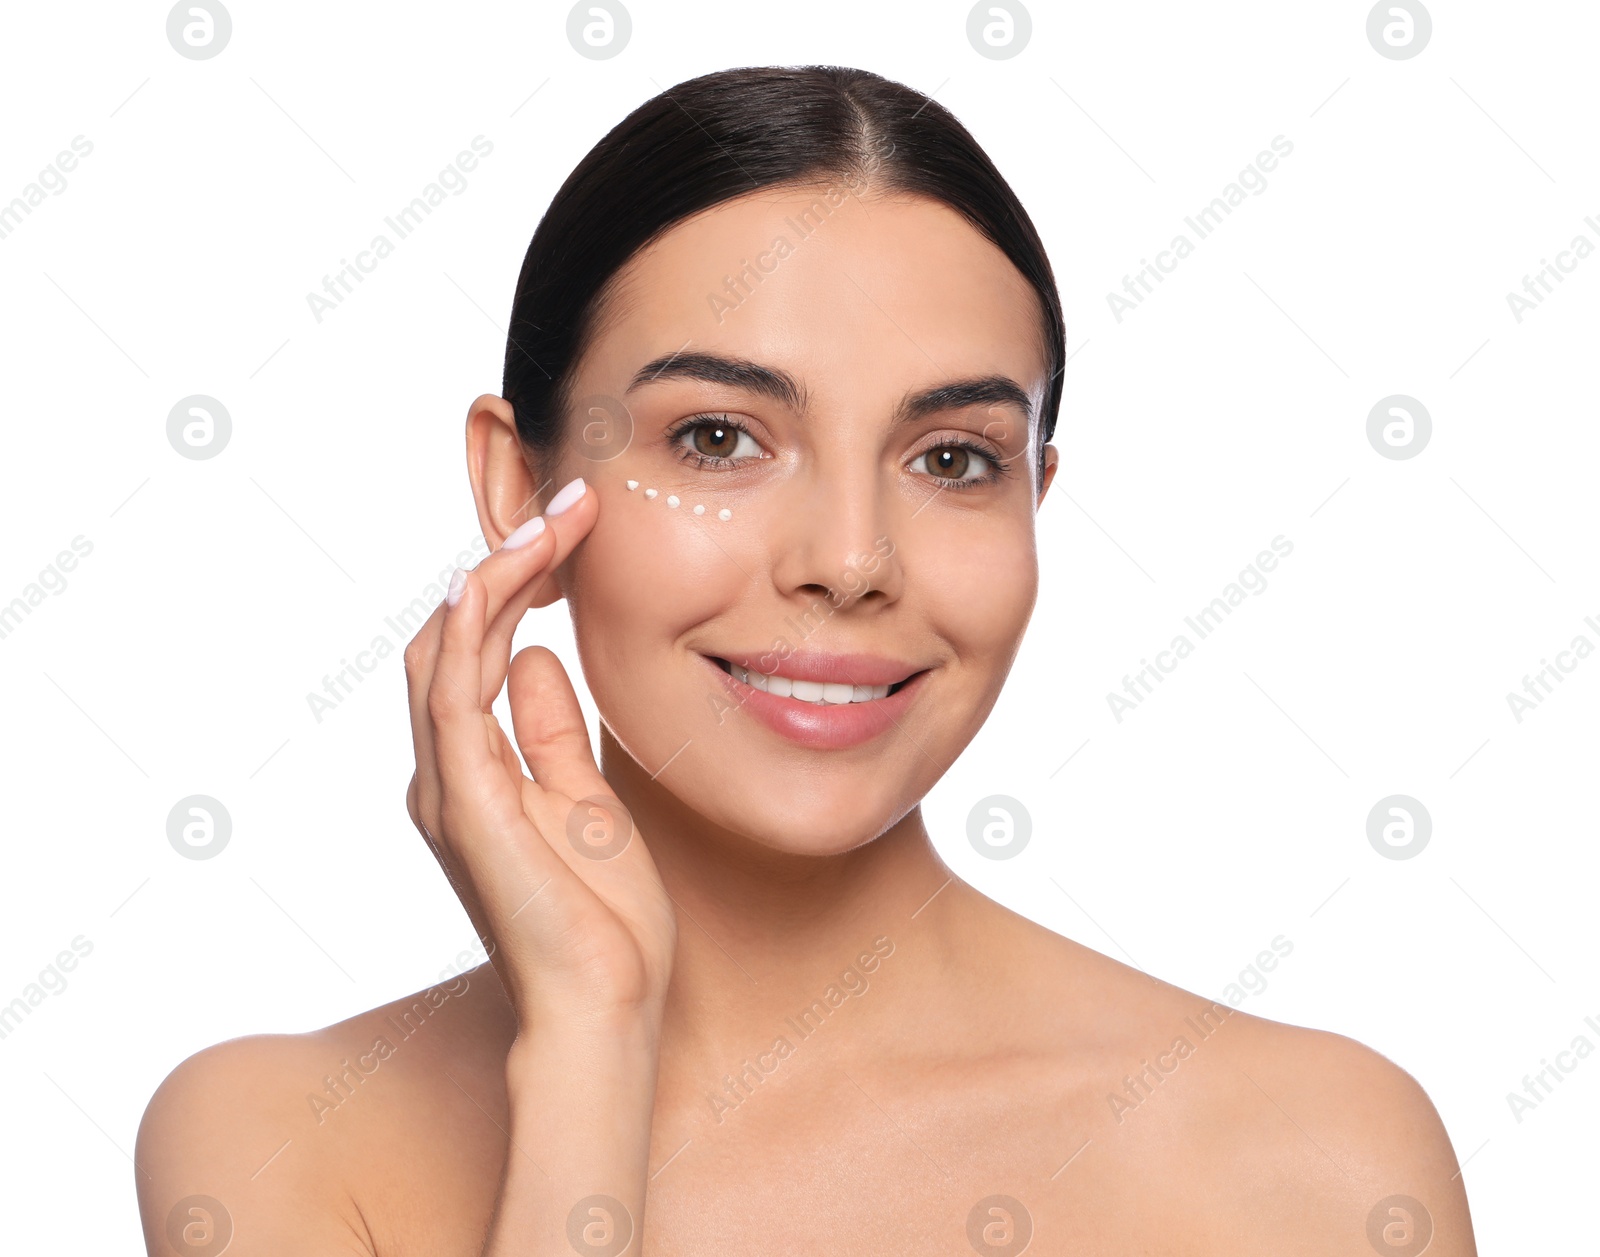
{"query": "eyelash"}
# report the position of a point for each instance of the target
(1001, 467)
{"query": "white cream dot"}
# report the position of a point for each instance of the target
(632, 485)
(649, 493)
(724, 513)
(672, 499)
(699, 510)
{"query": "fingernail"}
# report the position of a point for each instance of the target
(524, 533)
(570, 493)
(458, 582)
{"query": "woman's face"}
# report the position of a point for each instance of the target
(849, 510)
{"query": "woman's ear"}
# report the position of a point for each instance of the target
(504, 483)
(1051, 455)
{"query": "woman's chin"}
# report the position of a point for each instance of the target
(771, 815)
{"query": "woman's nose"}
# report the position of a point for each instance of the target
(834, 540)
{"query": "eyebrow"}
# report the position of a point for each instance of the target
(753, 377)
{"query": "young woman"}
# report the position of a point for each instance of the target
(783, 366)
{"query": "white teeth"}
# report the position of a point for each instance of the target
(822, 693)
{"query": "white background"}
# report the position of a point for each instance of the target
(1229, 408)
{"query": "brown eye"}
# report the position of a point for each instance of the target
(948, 462)
(715, 440)
(961, 466)
(712, 442)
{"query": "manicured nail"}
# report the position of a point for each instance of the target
(570, 493)
(458, 582)
(524, 533)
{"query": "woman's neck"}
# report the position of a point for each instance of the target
(764, 935)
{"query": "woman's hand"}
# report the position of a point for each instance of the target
(578, 929)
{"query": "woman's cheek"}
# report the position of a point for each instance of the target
(647, 581)
(978, 576)
(681, 531)
(652, 570)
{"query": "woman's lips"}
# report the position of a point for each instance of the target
(825, 726)
(806, 690)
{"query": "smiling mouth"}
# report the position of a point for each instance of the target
(819, 692)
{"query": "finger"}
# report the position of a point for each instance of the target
(507, 577)
(549, 725)
(497, 642)
(596, 841)
(483, 809)
(421, 657)
(453, 874)
(422, 798)
(461, 742)
(515, 585)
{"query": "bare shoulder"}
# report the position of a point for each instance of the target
(1311, 1141)
(304, 1142)
(1344, 1132)
(216, 1162)
(1283, 1138)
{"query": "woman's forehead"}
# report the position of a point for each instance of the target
(904, 282)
